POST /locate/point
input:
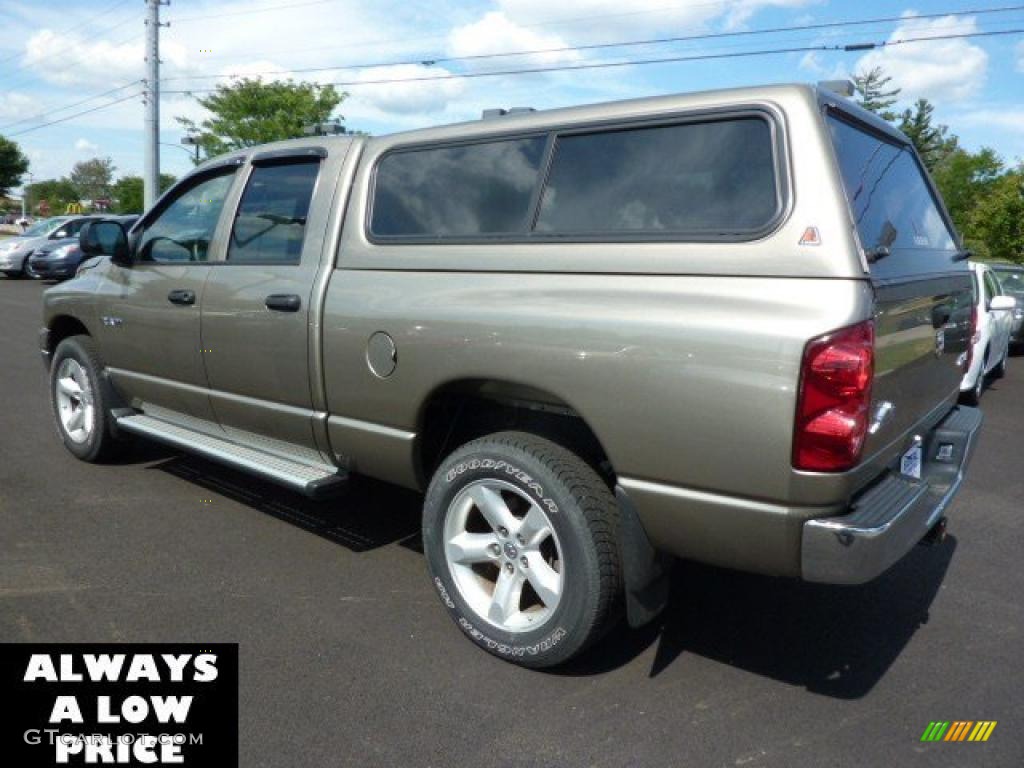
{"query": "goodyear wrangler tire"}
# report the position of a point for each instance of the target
(519, 535)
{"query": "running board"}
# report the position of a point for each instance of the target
(314, 480)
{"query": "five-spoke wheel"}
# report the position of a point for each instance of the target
(503, 555)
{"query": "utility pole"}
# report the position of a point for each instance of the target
(151, 175)
(24, 194)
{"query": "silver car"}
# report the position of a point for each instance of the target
(14, 253)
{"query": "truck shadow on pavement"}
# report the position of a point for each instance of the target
(367, 515)
(832, 640)
(835, 641)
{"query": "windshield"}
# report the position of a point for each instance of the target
(44, 227)
(1012, 281)
(891, 202)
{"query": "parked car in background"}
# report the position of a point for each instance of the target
(14, 253)
(1011, 280)
(992, 319)
(60, 259)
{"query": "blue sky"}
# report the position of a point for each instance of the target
(57, 53)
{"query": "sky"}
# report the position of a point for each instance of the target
(61, 57)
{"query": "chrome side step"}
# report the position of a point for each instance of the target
(311, 479)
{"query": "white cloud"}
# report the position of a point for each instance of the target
(613, 19)
(941, 70)
(402, 97)
(87, 147)
(812, 63)
(1008, 118)
(496, 33)
(743, 10)
(95, 62)
(15, 106)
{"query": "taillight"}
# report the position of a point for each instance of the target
(834, 399)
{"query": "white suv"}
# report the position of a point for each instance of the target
(991, 340)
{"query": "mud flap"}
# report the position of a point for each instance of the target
(645, 570)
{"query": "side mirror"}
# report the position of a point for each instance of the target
(106, 238)
(1002, 302)
(60, 234)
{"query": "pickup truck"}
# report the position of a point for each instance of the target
(727, 326)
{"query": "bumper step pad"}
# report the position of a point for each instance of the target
(893, 515)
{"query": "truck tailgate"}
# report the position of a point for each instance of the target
(922, 286)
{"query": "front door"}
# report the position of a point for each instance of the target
(150, 311)
(256, 308)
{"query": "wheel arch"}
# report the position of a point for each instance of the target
(61, 327)
(463, 409)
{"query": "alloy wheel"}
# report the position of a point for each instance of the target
(75, 403)
(503, 555)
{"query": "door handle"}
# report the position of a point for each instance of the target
(284, 302)
(182, 296)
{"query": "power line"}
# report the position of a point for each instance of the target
(430, 61)
(92, 18)
(181, 19)
(77, 114)
(75, 60)
(849, 47)
(43, 115)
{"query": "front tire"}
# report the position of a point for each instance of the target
(1000, 370)
(519, 535)
(81, 399)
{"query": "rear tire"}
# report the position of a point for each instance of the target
(973, 397)
(519, 535)
(81, 399)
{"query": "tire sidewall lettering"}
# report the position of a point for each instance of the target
(509, 469)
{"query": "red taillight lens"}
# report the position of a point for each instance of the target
(834, 397)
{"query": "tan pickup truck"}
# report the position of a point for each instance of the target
(727, 326)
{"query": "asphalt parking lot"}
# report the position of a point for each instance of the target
(347, 658)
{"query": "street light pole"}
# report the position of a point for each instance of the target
(192, 141)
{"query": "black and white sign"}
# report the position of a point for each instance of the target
(119, 704)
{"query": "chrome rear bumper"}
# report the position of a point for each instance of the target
(888, 519)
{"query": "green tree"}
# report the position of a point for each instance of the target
(13, 164)
(127, 192)
(56, 192)
(933, 141)
(92, 178)
(997, 224)
(964, 179)
(248, 112)
(873, 96)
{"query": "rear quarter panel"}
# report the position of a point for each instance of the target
(685, 380)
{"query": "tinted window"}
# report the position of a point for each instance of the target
(76, 226)
(890, 200)
(271, 219)
(715, 178)
(466, 190)
(183, 229)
